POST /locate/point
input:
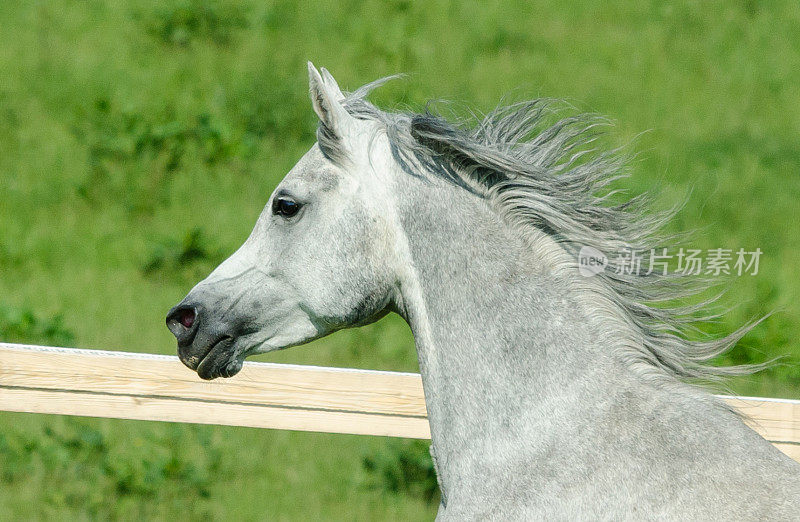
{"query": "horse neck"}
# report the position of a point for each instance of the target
(499, 333)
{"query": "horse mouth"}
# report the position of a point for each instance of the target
(219, 360)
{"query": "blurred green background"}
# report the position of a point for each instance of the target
(139, 140)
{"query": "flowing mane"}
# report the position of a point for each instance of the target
(546, 175)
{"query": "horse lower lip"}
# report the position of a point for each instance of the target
(209, 358)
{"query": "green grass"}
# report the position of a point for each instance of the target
(139, 141)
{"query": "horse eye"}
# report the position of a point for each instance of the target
(285, 207)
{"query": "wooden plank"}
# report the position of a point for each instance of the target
(390, 393)
(792, 450)
(95, 383)
(38, 379)
(777, 420)
(226, 414)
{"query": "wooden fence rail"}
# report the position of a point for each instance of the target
(123, 385)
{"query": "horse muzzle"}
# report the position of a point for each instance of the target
(204, 345)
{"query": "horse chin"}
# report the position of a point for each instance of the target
(220, 361)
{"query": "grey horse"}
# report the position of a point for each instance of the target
(551, 395)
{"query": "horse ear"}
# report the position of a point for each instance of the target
(331, 83)
(326, 97)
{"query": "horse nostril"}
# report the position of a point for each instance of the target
(182, 321)
(186, 317)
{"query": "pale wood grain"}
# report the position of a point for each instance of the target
(389, 393)
(124, 385)
(777, 420)
(176, 410)
(792, 450)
